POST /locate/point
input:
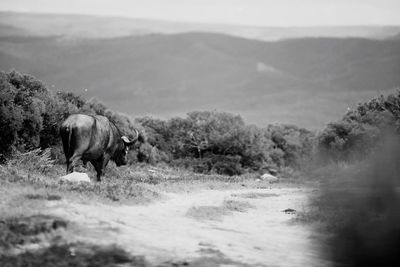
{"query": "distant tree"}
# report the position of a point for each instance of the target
(295, 144)
(71, 98)
(30, 98)
(94, 106)
(11, 115)
(257, 149)
(215, 131)
(158, 136)
(178, 129)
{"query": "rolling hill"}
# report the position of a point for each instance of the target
(305, 81)
(84, 26)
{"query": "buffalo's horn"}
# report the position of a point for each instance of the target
(137, 134)
(126, 140)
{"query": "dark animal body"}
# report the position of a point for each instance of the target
(94, 139)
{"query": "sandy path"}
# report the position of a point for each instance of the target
(162, 231)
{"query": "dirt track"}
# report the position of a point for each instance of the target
(163, 232)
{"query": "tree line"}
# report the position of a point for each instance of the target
(220, 142)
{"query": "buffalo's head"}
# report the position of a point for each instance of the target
(122, 158)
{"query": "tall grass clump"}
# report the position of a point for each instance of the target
(36, 160)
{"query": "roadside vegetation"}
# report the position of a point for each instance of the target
(358, 203)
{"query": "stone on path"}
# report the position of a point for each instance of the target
(269, 177)
(76, 177)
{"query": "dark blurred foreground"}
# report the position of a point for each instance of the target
(362, 210)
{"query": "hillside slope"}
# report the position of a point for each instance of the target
(306, 81)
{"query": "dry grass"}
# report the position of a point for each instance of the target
(30, 181)
(36, 160)
(123, 188)
(239, 206)
(213, 213)
(129, 184)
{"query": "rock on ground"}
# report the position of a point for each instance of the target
(76, 177)
(269, 177)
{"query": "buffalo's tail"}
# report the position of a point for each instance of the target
(66, 134)
(69, 141)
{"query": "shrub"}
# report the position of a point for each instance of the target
(228, 165)
(360, 130)
(295, 143)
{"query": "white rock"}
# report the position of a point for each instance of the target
(269, 177)
(76, 177)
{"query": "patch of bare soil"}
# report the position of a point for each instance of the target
(251, 229)
(254, 195)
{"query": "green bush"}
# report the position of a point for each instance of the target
(229, 165)
(360, 130)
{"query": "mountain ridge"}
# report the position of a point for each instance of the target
(89, 26)
(307, 81)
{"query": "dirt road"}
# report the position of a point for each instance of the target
(191, 227)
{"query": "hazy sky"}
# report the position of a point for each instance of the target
(249, 12)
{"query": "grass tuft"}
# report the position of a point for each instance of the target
(239, 206)
(35, 160)
(22, 230)
(213, 213)
(43, 197)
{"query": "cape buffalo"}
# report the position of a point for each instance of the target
(94, 139)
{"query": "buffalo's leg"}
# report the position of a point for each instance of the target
(70, 168)
(105, 162)
(98, 166)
